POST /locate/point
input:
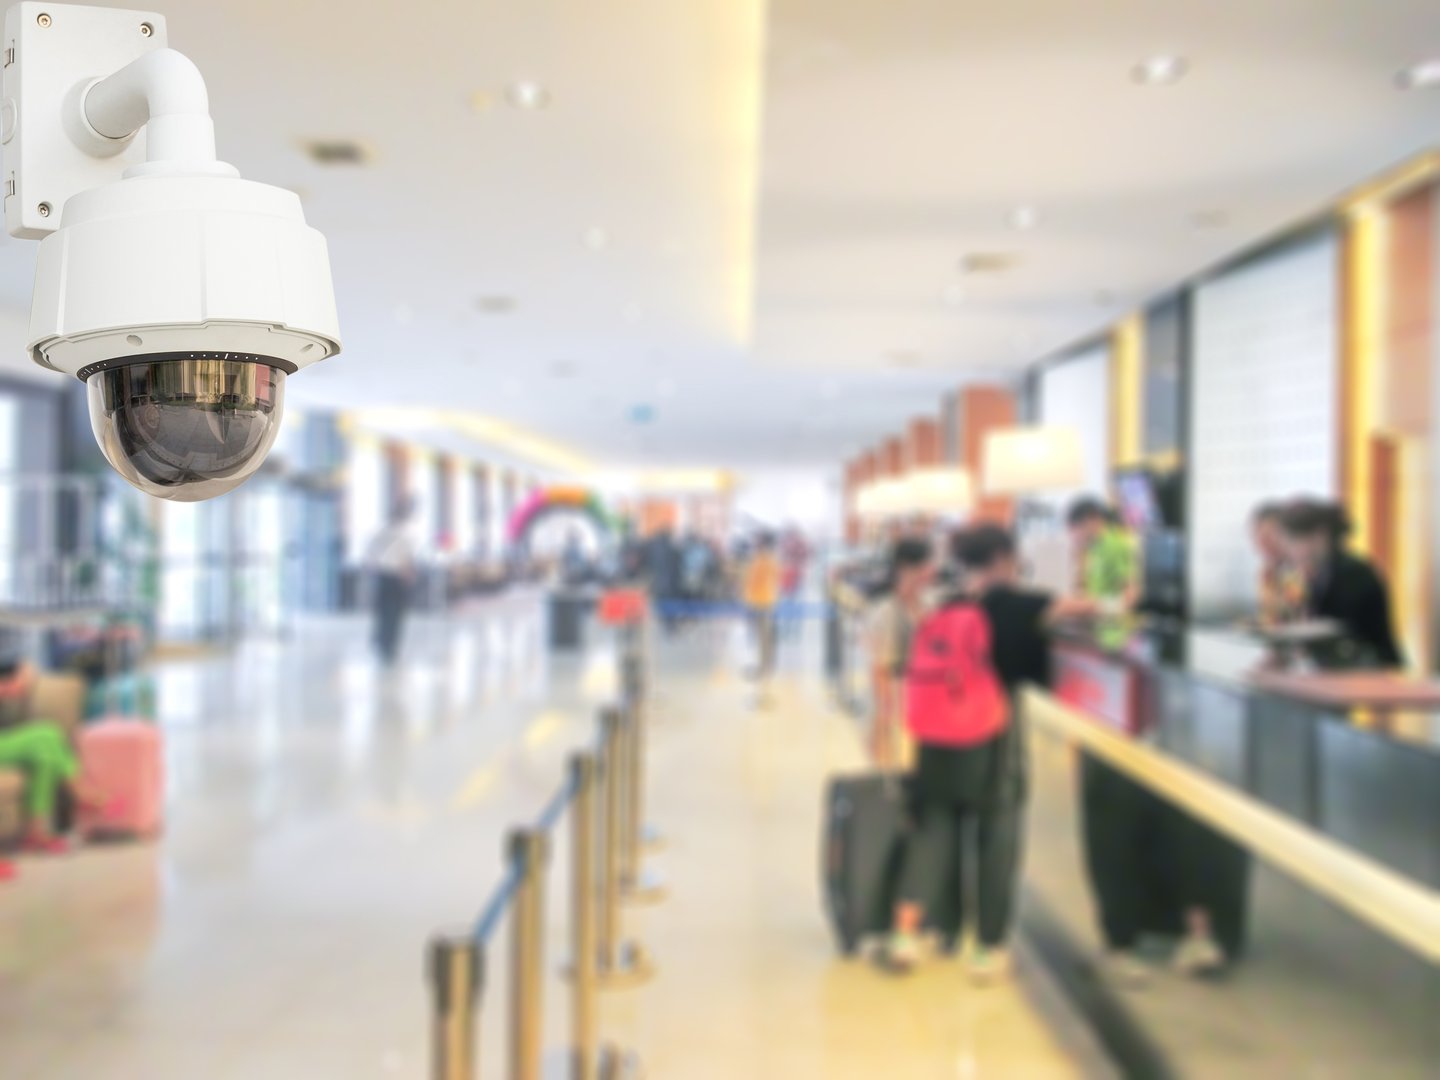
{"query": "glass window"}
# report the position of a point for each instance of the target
(462, 494)
(364, 515)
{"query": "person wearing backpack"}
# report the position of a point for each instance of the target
(968, 661)
(890, 631)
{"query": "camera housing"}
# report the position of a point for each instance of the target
(183, 303)
(180, 294)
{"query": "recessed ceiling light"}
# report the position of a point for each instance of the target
(1422, 76)
(1024, 218)
(988, 262)
(595, 238)
(527, 94)
(953, 295)
(1165, 69)
(495, 304)
(338, 151)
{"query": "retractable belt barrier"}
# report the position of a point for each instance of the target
(603, 797)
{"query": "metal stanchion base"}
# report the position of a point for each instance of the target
(635, 968)
(649, 888)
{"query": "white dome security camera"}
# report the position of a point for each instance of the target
(179, 293)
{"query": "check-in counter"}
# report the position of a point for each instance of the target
(1302, 806)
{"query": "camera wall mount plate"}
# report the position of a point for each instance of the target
(52, 52)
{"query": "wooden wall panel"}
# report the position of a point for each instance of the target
(983, 409)
(1410, 314)
(923, 447)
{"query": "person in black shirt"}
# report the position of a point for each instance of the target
(986, 783)
(1341, 585)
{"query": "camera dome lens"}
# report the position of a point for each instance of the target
(186, 429)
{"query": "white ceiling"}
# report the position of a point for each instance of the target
(897, 136)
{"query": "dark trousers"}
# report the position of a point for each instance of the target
(988, 839)
(1149, 862)
(1117, 815)
(392, 596)
(762, 621)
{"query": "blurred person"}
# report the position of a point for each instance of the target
(795, 558)
(1106, 557)
(1282, 586)
(695, 556)
(40, 749)
(392, 559)
(574, 566)
(761, 596)
(1339, 584)
(985, 784)
(891, 629)
(662, 565)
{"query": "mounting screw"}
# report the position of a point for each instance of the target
(43, 209)
(146, 29)
(43, 19)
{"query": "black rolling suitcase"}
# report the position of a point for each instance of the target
(866, 823)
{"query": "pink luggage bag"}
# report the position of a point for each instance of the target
(124, 760)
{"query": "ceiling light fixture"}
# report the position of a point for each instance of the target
(495, 304)
(1024, 218)
(1422, 76)
(527, 94)
(1165, 69)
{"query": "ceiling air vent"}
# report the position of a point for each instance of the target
(338, 152)
(988, 262)
(495, 304)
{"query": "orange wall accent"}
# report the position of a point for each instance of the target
(923, 444)
(983, 409)
(892, 458)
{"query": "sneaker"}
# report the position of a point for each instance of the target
(988, 966)
(1198, 957)
(1126, 969)
(900, 954)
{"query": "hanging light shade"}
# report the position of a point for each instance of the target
(1032, 460)
(943, 491)
(882, 500)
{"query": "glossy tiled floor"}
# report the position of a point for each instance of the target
(324, 819)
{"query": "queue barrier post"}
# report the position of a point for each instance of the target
(530, 850)
(456, 974)
(622, 963)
